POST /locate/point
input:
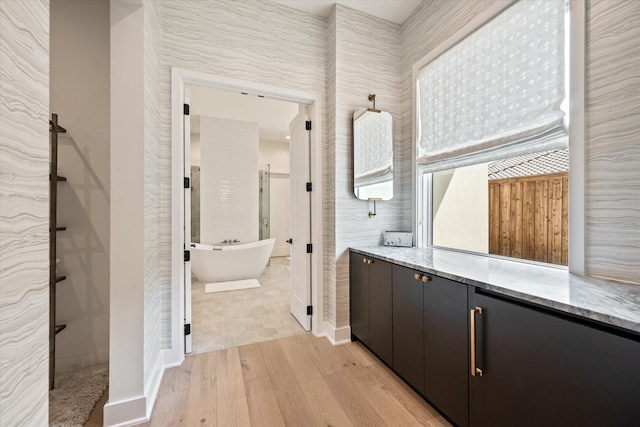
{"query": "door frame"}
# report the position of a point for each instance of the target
(181, 77)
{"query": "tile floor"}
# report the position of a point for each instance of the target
(229, 319)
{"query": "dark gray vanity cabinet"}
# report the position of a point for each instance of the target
(446, 347)
(370, 307)
(380, 305)
(359, 297)
(542, 368)
(408, 328)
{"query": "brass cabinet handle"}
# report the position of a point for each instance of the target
(364, 260)
(369, 261)
(416, 276)
(425, 279)
(474, 369)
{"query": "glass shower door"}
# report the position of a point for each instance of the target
(264, 208)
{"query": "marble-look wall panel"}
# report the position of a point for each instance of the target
(367, 51)
(328, 176)
(258, 41)
(156, 277)
(612, 192)
(24, 212)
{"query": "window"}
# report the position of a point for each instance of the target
(492, 154)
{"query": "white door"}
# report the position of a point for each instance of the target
(187, 221)
(299, 166)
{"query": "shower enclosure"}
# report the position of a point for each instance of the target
(195, 204)
(264, 196)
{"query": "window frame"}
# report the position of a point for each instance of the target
(422, 218)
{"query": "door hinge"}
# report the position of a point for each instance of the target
(187, 256)
(307, 125)
(187, 329)
(187, 182)
(309, 248)
(186, 109)
(309, 310)
(309, 186)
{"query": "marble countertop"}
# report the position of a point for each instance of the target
(613, 303)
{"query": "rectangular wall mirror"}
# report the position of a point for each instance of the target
(372, 154)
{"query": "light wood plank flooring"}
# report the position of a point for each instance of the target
(294, 381)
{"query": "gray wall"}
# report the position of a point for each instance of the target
(612, 210)
(364, 59)
(24, 212)
(79, 82)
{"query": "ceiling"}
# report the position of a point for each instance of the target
(392, 10)
(273, 116)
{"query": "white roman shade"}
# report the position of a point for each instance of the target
(497, 93)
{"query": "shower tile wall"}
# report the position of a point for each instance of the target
(228, 180)
(24, 212)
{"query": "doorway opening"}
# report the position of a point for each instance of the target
(305, 296)
(240, 217)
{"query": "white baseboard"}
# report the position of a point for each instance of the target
(153, 386)
(138, 410)
(172, 358)
(126, 412)
(337, 336)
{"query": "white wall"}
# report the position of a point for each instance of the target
(126, 364)
(276, 154)
(461, 208)
(24, 213)
(138, 275)
(195, 149)
(228, 180)
(80, 96)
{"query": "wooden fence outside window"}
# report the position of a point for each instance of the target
(529, 217)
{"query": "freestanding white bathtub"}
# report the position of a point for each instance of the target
(222, 263)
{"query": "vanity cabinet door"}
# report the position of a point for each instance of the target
(446, 348)
(408, 336)
(380, 306)
(359, 297)
(542, 368)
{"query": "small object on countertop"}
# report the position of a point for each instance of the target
(398, 238)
